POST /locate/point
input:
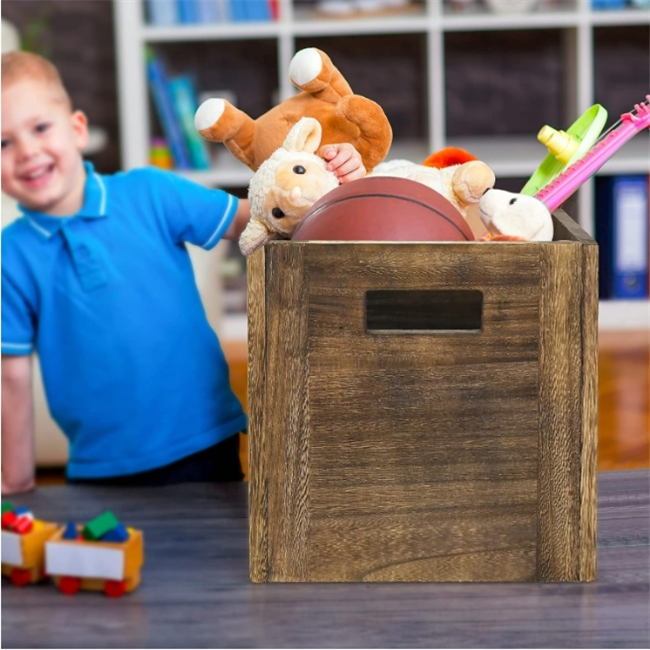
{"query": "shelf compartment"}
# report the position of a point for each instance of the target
(480, 96)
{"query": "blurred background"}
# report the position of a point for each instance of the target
(485, 75)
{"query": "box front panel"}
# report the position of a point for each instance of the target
(423, 442)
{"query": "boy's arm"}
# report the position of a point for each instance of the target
(343, 159)
(240, 220)
(17, 424)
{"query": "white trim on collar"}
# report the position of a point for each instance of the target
(39, 229)
(102, 205)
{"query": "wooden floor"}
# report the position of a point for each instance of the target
(623, 400)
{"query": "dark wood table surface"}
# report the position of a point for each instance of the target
(196, 590)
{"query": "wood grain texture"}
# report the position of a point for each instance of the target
(196, 593)
(414, 418)
(560, 359)
(286, 426)
(257, 445)
(589, 452)
(430, 454)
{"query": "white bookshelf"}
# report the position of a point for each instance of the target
(509, 156)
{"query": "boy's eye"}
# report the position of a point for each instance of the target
(40, 128)
(5, 143)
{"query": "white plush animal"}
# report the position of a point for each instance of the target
(285, 187)
(515, 217)
(462, 184)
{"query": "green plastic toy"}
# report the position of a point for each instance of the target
(566, 147)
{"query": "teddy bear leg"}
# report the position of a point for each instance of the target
(471, 180)
(312, 70)
(375, 135)
(217, 120)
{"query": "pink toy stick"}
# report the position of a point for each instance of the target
(559, 190)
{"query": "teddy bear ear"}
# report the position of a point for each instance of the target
(305, 136)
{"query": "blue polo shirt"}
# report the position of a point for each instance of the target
(134, 374)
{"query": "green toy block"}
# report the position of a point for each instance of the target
(99, 526)
(7, 507)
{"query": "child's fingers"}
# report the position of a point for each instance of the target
(346, 168)
(340, 157)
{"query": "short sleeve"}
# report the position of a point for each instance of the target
(18, 318)
(194, 213)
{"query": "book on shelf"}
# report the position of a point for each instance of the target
(162, 12)
(171, 127)
(622, 232)
(187, 12)
(608, 4)
(183, 97)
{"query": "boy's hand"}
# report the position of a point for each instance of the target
(344, 160)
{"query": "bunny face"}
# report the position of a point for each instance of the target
(298, 185)
(285, 187)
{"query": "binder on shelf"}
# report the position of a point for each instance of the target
(622, 232)
(162, 12)
(171, 127)
(184, 99)
(603, 222)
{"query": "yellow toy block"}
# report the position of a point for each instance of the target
(23, 556)
(111, 567)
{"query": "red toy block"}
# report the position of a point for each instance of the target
(23, 525)
(8, 519)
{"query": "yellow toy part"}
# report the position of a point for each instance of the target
(566, 147)
(23, 556)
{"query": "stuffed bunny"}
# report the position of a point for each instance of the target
(285, 187)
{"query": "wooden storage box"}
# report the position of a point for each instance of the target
(424, 411)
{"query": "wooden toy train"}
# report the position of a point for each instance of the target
(104, 555)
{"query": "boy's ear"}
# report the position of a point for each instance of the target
(80, 129)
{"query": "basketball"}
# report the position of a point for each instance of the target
(383, 208)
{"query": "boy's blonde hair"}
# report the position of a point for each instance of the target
(19, 66)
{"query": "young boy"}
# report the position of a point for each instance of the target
(96, 278)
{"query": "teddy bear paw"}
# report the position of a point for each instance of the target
(305, 68)
(208, 114)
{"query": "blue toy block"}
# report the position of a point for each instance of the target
(70, 531)
(21, 510)
(117, 534)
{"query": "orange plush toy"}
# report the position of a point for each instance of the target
(325, 95)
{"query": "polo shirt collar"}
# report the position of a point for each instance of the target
(94, 206)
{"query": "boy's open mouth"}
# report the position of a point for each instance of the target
(37, 178)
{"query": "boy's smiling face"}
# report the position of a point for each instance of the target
(42, 139)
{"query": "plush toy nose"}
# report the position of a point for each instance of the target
(295, 193)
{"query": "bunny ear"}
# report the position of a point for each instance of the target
(304, 137)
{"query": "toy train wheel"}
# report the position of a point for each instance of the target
(20, 577)
(114, 588)
(69, 585)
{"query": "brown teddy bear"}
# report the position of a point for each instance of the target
(325, 95)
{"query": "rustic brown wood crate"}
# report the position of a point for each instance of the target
(415, 454)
